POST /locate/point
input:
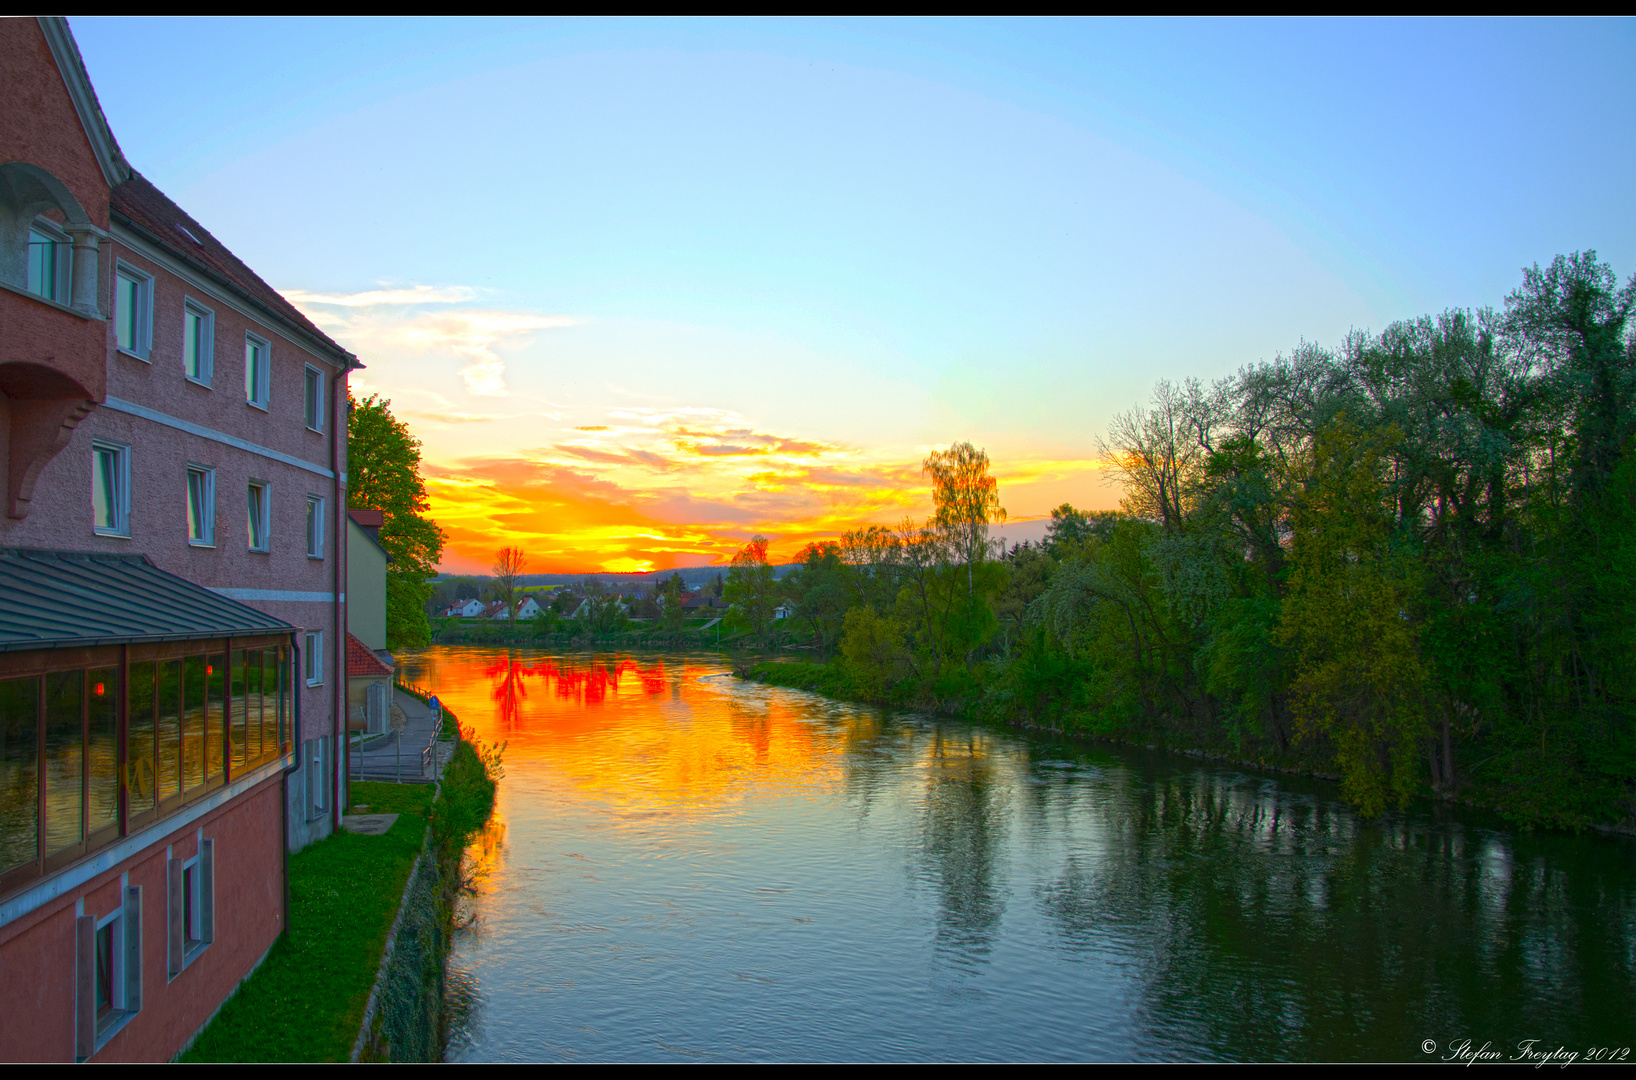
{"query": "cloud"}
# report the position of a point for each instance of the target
(414, 294)
(383, 320)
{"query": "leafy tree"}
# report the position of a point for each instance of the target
(509, 563)
(875, 649)
(671, 609)
(820, 591)
(750, 588)
(383, 473)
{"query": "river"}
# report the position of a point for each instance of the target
(686, 867)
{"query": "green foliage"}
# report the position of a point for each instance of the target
(750, 588)
(1409, 560)
(383, 473)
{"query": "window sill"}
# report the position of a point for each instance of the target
(197, 382)
(201, 544)
(110, 534)
(113, 1027)
(261, 551)
(315, 430)
(257, 405)
(133, 355)
(191, 952)
(315, 558)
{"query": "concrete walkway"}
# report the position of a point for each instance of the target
(401, 755)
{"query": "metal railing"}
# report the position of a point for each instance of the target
(428, 767)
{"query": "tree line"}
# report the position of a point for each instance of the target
(1407, 559)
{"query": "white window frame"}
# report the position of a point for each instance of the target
(198, 877)
(125, 975)
(62, 258)
(314, 420)
(142, 328)
(315, 526)
(209, 523)
(313, 660)
(266, 489)
(258, 396)
(122, 488)
(207, 341)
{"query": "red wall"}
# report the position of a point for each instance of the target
(37, 950)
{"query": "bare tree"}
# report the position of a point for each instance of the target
(508, 575)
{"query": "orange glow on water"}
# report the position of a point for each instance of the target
(637, 734)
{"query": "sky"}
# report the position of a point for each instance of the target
(646, 288)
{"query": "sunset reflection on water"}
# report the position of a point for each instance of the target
(628, 733)
(685, 866)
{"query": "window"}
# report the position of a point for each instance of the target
(315, 527)
(110, 489)
(133, 311)
(257, 361)
(315, 398)
(110, 986)
(64, 793)
(192, 922)
(49, 254)
(315, 657)
(198, 342)
(201, 506)
(257, 504)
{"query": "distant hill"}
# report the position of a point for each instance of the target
(692, 576)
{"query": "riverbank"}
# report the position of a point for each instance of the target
(835, 680)
(349, 895)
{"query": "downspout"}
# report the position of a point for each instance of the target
(339, 649)
(284, 777)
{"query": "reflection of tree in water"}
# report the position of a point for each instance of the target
(590, 683)
(1271, 925)
(962, 832)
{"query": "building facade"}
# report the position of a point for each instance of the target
(174, 454)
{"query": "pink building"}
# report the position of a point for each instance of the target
(172, 588)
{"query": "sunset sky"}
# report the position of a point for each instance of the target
(645, 288)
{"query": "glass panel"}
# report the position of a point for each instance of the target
(42, 265)
(126, 295)
(105, 488)
(239, 725)
(19, 772)
(191, 327)
(257, 516)
(102, 750)
(195, 504)
(253, 360)
(215, 714)
(170, 729)
(193, 722)
(279, 680)
(252, 705)
(141, 776)
(105, 972)
(64, 759)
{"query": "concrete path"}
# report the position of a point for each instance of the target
(401, 755)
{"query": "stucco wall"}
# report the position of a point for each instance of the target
(37, 950)
(366, 588)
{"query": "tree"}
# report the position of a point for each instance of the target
(820, 593)
(967, 500)
(383, 473)
(749, 587)
(508, 574)
(671, 611)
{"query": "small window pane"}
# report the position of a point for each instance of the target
(272, 702)
(240, 722)
(256, 498)
(19, 772)
(198, 505)
(127, 305)
(193, 722)
(105, 973)
(42, 265)
(105, 488)
(64, 759)
(255, 375)
(192, 342)
(215, 715)
(102, 749)
(170, 729)
(141, 771)
(315, 527)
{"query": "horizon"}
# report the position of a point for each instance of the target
(646, 288)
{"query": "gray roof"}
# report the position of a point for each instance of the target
(50, 599)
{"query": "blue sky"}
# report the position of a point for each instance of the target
(869, 236)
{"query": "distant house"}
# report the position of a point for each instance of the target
(529, 608)
(466, 609)
(693, 603)
(369, 665)
(369, 688)
(783, 611)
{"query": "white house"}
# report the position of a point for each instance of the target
(467, 609)
(529, 608)
(784, 610)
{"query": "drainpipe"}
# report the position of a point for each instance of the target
(338, 527)
(284, 778)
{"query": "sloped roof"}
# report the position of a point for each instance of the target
(50, 599)
(362, 663)
(149, 212)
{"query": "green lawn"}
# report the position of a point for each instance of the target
(306, 1001)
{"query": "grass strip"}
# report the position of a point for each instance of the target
(306, 1001)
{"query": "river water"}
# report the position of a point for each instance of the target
(684, 867)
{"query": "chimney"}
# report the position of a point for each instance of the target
(370, 521)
